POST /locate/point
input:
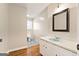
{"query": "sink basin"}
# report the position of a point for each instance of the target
(54, 39)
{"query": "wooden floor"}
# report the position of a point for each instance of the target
(33, 51)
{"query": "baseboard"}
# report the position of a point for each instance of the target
(19, 52)
(17, 49)
(4, 54)
(23, 51)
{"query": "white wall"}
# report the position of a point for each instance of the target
(17, 27)
(41, 27)
(78, 28)
(3, 27)
(46, 25)
(73, 25)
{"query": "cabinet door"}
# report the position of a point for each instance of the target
(64, 52)
(58, 51)
(43, 51)
(47, 49)
(51, 49)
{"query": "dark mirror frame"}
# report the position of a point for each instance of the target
(67, 21)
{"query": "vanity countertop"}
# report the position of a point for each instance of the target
(66, 44)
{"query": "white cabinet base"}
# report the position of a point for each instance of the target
(49, 49)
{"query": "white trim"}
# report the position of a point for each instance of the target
(16, 49)
(19, 48)
(4, 52)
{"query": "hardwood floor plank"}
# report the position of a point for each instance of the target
(33, 51)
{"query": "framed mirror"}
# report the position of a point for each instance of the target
(61, 21)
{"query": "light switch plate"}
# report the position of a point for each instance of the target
(0, 40)
(77, 46)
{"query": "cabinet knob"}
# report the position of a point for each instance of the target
(45, 46)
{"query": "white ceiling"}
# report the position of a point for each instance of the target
(33, 9)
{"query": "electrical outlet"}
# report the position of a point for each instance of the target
(0, 40)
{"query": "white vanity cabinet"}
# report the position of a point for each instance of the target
(49, 49)
(46, 50)
(64, 52)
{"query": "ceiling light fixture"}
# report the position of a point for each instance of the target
(28, 15)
